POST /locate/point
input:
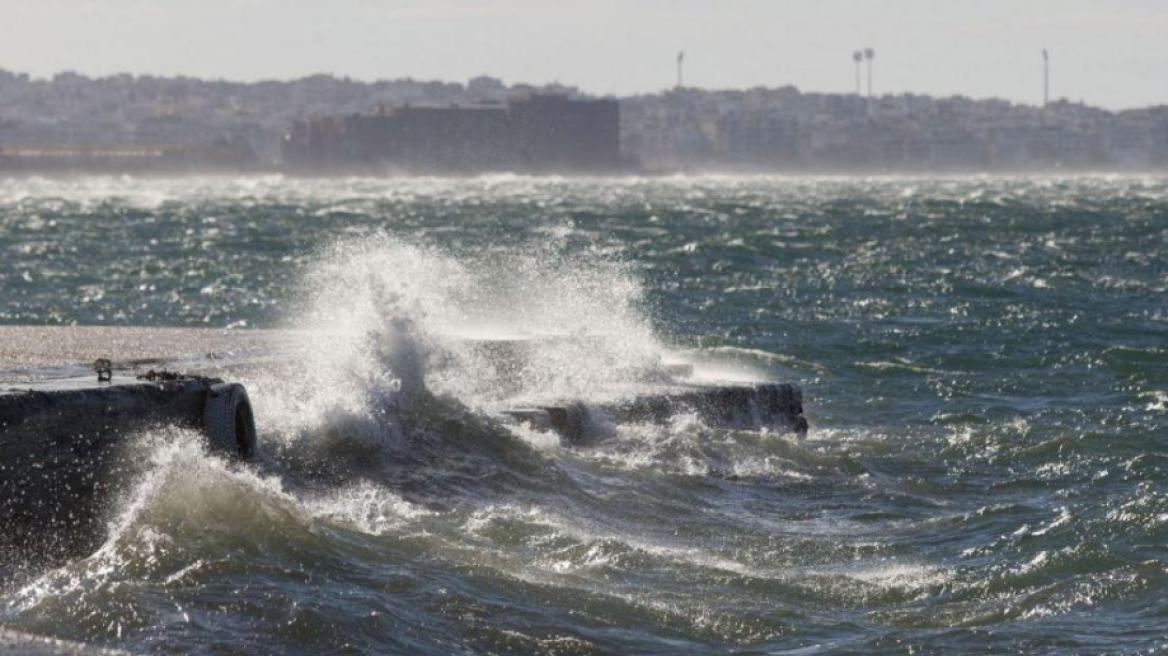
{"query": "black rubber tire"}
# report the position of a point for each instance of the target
(228, 421)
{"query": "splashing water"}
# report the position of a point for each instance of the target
(983, 362)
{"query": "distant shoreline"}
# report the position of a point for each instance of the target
(645, 174)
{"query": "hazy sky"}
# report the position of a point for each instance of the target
(1112, 53)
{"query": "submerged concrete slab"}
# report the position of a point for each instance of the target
(776, 406)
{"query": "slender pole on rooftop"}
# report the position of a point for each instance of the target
(858, 57)
(869, 54)
(1045, 78)
(680, 60)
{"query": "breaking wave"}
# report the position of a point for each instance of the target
(984, 470)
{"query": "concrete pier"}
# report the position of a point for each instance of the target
(62, 432)
(59, 449)
(37, 352)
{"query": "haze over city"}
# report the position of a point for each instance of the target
(1103, 53)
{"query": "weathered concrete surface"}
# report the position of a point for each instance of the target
(62, 434)
(14, 643)
(32, 351)
(58, 451)
(761, 405)
(749, 407)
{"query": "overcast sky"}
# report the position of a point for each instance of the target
(1112, 53)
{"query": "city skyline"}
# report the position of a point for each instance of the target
(1102, 53)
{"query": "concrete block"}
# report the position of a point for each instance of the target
(58, 448)
(747, 407)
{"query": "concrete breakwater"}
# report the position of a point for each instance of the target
(60, 451)
(748, 407)
(63, 433)
(33, 352)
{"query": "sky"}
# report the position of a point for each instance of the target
(1112, 54)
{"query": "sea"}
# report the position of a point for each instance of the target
(984, 363)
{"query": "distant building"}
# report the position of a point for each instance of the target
(759, 139)
(537, 133)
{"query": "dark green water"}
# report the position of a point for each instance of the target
(985, 365)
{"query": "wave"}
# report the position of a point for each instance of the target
(392, 509)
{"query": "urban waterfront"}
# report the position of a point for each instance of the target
(142, 124)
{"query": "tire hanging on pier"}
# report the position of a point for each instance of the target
(228, 421)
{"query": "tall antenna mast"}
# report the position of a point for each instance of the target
(1045, 78)
(869, 54)
(680, 61)
(858, 57)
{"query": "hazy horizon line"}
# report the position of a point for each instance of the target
(709, 89)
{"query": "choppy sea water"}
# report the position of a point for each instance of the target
(984, 362)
